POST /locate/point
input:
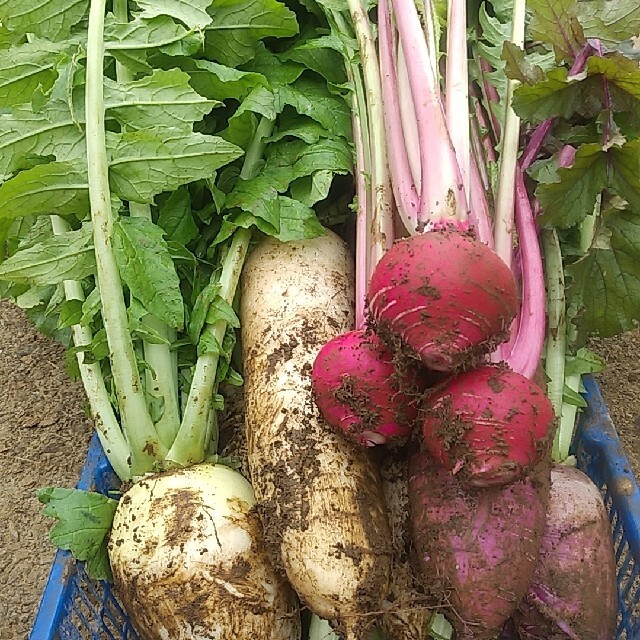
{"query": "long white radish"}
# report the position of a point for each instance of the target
(189, 561)
(319, 496)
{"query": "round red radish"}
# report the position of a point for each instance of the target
(490, 425)
(446, 295)
(358, 391)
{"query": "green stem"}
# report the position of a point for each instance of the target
(113, 442)
(566, 430)
(556, 332)
(191, 443)
(136, 423)
(509, 153)
(161, 377)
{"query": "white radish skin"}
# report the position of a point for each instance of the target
(319, 495)
(189, 561)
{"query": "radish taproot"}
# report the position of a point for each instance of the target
(189, 560)
(476, 548)
(489, 425)
(319, 496)
(573, 595)
(446, 295)
(359, 391)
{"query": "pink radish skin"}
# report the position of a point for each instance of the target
(489, 425)
(477, 548)
(573, 595)
(446, 295)
(358, 390)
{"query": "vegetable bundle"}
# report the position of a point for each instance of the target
(175, 207)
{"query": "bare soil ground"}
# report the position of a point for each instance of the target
(44, 435)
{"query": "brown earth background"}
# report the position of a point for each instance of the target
(44, 435)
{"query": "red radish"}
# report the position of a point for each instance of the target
(573, 594)
(476, 548)
(446, 295)
(358, 391)
(490, 425)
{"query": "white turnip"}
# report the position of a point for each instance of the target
(477, 549)
(320, 497)
(359, 391)
(573, 595)
(489, 425)
(445, 295)
(189, 560)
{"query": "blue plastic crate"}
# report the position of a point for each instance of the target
(73, 607)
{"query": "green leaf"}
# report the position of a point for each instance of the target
(518, 67)
(300, 127)
(278, 72)
(68, 256)
(555, 22)
(24, 133)
(623, 77)
(26, 67)
(311, 98)
(568, 201)
(558, 96)
(216, 81)
(52, 19)
(53, 188)
(321, 55)
(238, 25)
(84, 521)
(176, 218)
(624, 178)
(164, 98)
(147, 269)
(145, 163)
(192, 12)
(611, 21)
(606, 282)
(70, 313)
(584, 361)
(201, 309)
(297, 221)
(259, 197)
(312, 189)
(220, 309)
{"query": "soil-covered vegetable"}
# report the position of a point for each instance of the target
(574, 592)
(189, 560)
(476, 549)
(319, 496)
(490, 425)
(445, 295)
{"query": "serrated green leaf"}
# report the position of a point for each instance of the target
(311, 98)
(176, 218)
(558, 96)
(312, 189)
(220, 309)
(555, 22)
(147, 269)
(297, 221)
(568, 201)
(238, 25)
(84, 521)
(24, 133)
(26, 67)
(145, 163)
(300, 127)
(68, 256)
(606, 282)
(53, 19)
(611, 21)
(584, 361)
(518, 66)
(53, 188)
(200, 310)
(215, 81)
(259, 197)
(193, 13)
(163, 98)
(70, 313)
(91, 306)
(131, 42)
(278, 72)
(623, 77)
(322, 55)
